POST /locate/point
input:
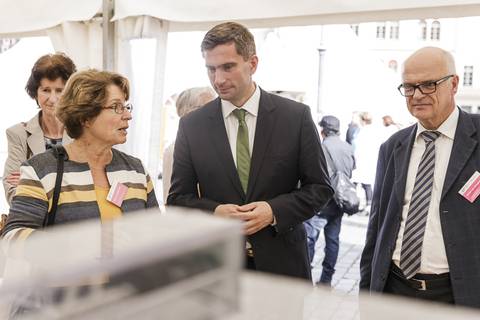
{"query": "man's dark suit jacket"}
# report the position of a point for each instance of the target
(286, 151)
(460, 219)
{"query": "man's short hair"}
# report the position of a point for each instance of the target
(192, 99)
(228, 32)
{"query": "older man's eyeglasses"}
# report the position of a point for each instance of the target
(408, 90)
(120, 108)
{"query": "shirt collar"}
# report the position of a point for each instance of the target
(447, 128)
(251, 105)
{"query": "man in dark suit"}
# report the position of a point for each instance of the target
(255, 157)
(423, 235)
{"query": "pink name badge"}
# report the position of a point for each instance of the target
(471, 189)
(117, 193)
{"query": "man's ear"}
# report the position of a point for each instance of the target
(253, 63)
(455, 82)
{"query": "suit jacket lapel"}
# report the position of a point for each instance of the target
(263, 134)
(35, 139)
(463, 146)
(218, 135)
(401, 156)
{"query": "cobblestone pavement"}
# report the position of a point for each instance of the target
(347, 271)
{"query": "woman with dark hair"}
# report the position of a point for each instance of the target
(45, 85)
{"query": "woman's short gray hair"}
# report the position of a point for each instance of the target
(192, 99)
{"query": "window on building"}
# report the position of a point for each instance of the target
(422, 25)
(467, 76)
(466, 108)
(394, 30)
(354, 27)
(435, 31)
(381, 30)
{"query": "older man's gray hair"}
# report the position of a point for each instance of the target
(192, 99)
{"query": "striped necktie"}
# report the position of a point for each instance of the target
(411, 253)
(243, 153)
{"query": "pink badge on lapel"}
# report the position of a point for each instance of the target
(117, 193)
(471, 189)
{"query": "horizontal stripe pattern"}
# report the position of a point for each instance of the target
(77, 196)
(136, 194)
(149, 184)
(27, 190)
(77, 199)
(69, 179)
(127, 176)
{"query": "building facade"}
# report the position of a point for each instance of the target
(393, 41)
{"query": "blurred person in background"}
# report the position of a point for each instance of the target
(95, 112)
(389, 127)
(188, 101)
(367, 145)
(26, 139)
(330, 218)
(353, 129)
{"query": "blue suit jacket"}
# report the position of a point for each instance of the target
(460, 219)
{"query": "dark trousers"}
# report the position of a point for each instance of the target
(395, 285)
(330, 219)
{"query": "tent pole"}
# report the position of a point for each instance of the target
(108, 35)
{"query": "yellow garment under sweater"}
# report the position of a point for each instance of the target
(108, 210)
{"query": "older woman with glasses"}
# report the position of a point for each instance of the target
(45, 84)
(95, 114)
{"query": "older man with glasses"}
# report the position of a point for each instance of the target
(422, 239)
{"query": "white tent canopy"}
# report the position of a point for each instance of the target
(75, 27)
(199, 15)
(34, 17)
(24, 16)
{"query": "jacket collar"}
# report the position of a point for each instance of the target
(263, 133)
(35, 136)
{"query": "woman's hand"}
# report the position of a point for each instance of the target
(13, 178)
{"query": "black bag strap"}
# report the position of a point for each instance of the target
(61, 156)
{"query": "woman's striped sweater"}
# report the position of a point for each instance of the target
(77, 200)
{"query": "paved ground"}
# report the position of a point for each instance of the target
(352, 239)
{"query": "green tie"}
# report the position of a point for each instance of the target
(243, 153)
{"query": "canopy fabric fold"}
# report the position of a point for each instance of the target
(82, 41)
(187, 15)
(27, 17)
(24, 16)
